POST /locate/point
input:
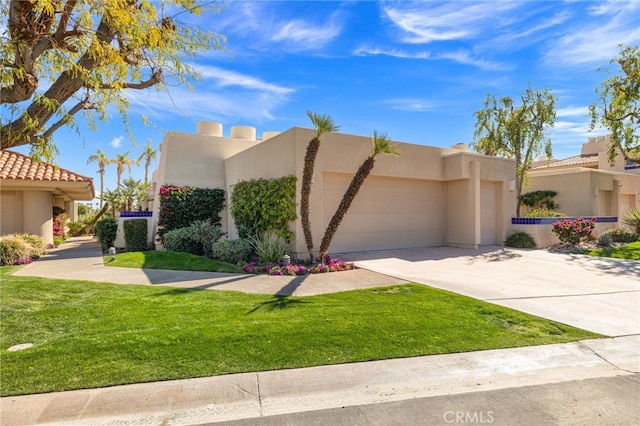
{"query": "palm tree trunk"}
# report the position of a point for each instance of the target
(101, 186)
(305, 192)
(350, 194)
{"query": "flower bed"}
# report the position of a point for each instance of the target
(298, 268)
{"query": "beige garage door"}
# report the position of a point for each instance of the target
(387, 213)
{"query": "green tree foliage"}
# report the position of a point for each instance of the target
(260, 205)
(61, 57)
(508, 130)
(618, 106)
(148, 154)
(542, 199)
(381, 144)
(121, 161)
(322, 124)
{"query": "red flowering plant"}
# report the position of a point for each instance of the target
(572, 231)
(298, 267)
(59, 224)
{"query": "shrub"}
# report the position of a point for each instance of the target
(572, 231)
(231, 251)
(269, 247)
(520, 239)
(622, 235)
(77, 229)
(329, 265)
(181, 206)
(540, 200)
(135, 235)
(261, 205)
(13, 248)
(195, 239)
(632, 218)
(605, 240)
(59, 223)
(37, 245)
(106, 232)
(544, 213)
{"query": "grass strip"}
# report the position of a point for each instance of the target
(629, 251)
(88, 334)
(171, 260)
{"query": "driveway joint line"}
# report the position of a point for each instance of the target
(564, 295)
(604, 359)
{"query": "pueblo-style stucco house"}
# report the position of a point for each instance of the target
(29, 191)
(426, 197)
(588, 184)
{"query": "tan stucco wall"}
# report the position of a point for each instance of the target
(588, 192)
(37, 214)
(11, 219)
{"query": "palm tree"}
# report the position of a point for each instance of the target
(148, 154)
(381, 145)
(133, 193)
(102, 160)
(121, 161)
(323, 124)
(114, 200)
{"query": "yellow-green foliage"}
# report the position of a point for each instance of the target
(37, 245)
(12, 248)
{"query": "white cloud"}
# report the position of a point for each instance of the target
(426, 22)
(225, 78)
(116, 142)
(595, 41)
(410, 104)
(580, 111)
(396, 53)
(299, 35)
(465, 57)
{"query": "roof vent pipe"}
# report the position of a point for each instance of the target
(209, 128)
(461, 147)
(243, 132)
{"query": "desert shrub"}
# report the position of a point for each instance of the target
(231, 251)
(632, 218)
(135, 235)
(520, 239)
(572, 231)
(37, 245)
(76, 229)
(544, 213)
(605, 240)
(622, 235)
(13, 248)
(269, 247)
(540, 200)
(196, 238)
(106, 232)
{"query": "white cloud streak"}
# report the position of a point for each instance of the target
(116, 142)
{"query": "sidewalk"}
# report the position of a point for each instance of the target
(271, 393)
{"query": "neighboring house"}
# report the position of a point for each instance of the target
(29, 190)
(428, 196)
(587, 184)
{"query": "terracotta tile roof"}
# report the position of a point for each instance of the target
(21, 167)
(582, 160)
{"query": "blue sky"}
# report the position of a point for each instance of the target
(415, 70)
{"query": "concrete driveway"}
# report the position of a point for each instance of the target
(597, 294)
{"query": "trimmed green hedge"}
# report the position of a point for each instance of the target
(260, 205)
(135, 234)
(106, 232)
(181, 206)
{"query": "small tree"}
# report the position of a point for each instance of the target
(381, 144)
(323, 124)
(101, 158)
(121, 161)
(516, 131)
(148, 154)
(618, 106)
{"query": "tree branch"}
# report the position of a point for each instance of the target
(82, 105)
(153, 80)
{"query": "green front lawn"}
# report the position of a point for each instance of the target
(629, 251)
(170, 260)
(90, 334)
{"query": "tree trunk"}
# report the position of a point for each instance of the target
(305, 192)
(350, 194)
(23, 129)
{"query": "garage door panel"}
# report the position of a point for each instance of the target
(387, 213)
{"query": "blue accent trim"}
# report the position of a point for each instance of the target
(136, 214)
(552, 220)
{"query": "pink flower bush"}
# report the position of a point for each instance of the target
(572, 231)
(330, 265)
